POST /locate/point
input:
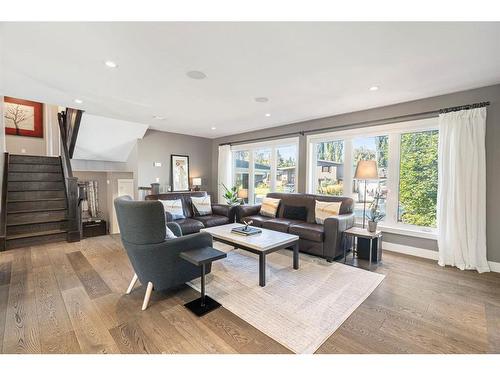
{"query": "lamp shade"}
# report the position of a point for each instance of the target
(196, 181)
(243, 193)
(366, 170)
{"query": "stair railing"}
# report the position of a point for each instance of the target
(69, 131)
(3, 196)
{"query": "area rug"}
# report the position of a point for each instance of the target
(298, 308)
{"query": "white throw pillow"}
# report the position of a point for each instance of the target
(174, 208)
(202, 205)
(169, 235)
(324, 210)
(269, 207)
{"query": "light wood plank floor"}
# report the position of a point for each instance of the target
(69, 298)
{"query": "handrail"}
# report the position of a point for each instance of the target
(3, 203)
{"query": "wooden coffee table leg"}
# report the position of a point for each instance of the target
(262, 269)
(296, 256)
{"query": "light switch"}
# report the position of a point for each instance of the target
(157, 179)
(156, 164)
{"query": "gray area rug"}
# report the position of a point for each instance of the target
(298, 308)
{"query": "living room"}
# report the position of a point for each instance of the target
(250, 188)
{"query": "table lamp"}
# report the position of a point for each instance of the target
(196, 183)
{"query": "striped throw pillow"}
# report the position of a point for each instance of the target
(174, 208)
(269, 207)
(202, 205)
(324, 210)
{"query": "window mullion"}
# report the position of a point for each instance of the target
(251, 177)
(393, 180)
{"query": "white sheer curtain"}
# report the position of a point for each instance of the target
(461, 211)
(225, 175)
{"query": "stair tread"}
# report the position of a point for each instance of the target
(35, 200)
(35, 234)
(36, 210)
(37, 222)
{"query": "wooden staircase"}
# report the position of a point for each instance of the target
(37, 205)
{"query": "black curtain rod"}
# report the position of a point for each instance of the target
(363, 123)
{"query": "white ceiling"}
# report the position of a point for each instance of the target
(308, 70)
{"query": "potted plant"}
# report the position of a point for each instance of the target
(231, 195)
(374, 215)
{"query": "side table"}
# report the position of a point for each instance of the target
(355, 233)
(201, 257)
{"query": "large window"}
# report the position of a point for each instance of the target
(406, 156)
(329, 167)
(365, 192)
(418, 178)
(265, 167)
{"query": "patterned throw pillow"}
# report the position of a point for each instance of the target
(269, 207)
(324, 210)
(174, 208)
(202, 205)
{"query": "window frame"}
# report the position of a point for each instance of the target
(273, 147)
(393, 131)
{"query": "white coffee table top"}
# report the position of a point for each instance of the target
(263, 241)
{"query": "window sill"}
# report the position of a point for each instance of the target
(430, 234)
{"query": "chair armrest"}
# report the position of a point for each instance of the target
(160, 263)
(175, 228)
(334, 227)
(249, 210)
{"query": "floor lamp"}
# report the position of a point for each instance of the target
(366, 170)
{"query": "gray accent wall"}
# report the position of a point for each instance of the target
(379, 116)
(157, 146)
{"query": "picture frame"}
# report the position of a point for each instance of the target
(23, 117)
(179, 172)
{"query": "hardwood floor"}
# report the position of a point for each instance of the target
(70, 298)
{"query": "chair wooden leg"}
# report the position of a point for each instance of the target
(147, 296)
(132, 283)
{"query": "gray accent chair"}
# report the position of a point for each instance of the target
(154, 257)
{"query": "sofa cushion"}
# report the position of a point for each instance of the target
(279, 224)
(258, 220)
(308, 231)
(295, 212)
(269, 207)
(189, 226)
(212, 220)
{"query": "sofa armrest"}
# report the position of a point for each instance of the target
(224, 210)
(168, 217)
(334, 228)
(247, 210)
(175, 228)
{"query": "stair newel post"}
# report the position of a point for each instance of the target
(74, 222)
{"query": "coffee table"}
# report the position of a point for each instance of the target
(261, 244)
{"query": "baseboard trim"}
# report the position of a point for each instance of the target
(494, 266)
(425, 253)
(410, 250)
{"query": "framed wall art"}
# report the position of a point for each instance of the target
(179, 172)
(23, 117)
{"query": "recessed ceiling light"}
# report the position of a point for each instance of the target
(373, 88)
(213, 128)
(196, 74)
(158, 117)
(261, 99)
(110, 64)
(267, 115)
(78, 101)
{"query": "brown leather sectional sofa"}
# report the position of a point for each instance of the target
(324, 240)
(221, 213)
